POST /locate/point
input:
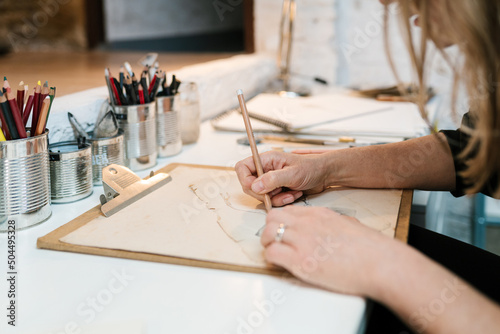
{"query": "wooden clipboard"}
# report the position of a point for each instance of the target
(51, 240)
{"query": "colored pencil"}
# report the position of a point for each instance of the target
(27, 109)
(2, 137)
(44, 111)
(5, 84)
(5, 128)
(9, 120)
(36, 105)
(115, 92)
(253, 146)
(52, 95)
(16, 115)
(141, 94)
(20, 97)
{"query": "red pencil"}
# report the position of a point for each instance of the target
(36, 106)
(16, 114)
(27, 110)
(141, 94)
(151, 84)
(20, 97)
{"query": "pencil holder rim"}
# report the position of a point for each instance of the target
(92, 139)
(20, 140)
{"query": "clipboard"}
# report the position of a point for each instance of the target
(52, 240)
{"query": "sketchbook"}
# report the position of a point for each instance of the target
(329, 114)
(203, 218)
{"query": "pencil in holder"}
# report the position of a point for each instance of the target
(138, 123)
(106, 151)
(70, 171)
(24, 182)
(167, 127)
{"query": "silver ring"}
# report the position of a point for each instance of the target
(279, 233)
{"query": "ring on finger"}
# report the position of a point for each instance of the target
(279, 233)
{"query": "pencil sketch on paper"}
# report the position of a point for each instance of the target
(203, 214)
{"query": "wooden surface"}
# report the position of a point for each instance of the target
(73, 72)
(51, 240)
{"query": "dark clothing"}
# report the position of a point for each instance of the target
(458, 140)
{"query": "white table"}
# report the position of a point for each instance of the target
(61, 292)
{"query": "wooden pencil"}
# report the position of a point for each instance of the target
(36, 106)
(5, 84)
(27, 109)
(2, 137)
(253, 145)
(7, 115)
(20, 97)
(16, 114)
(42, 119)
(141, 94)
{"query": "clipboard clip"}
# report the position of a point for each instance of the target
(123, 187)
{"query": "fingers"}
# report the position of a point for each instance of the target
(245, 170)
(285, 198)
(280, 254)
(272, 180)
(273, 221)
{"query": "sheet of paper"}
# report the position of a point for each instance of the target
(203, 214)
(330, 114)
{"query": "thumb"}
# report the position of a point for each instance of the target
(272, 180)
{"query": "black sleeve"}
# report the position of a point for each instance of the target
(458, 140)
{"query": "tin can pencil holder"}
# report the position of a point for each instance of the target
(24, 182)
(106, 151)
(138, 123)
(70, 171)
(167, 127)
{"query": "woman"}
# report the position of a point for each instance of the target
(357, 260)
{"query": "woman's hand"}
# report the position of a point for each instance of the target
(287, 176)
(327, 249)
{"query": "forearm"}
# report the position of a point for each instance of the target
(431, 299)
(421, 163)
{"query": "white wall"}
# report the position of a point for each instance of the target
(130, 20)
(342, 41)
(313, 48)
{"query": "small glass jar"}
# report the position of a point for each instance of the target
(188, 105)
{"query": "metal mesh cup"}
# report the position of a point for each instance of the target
(24, 182)
(70, 172)
(106, 151)
(167, 127)
(138, 123)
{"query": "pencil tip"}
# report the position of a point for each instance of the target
(5, 78)
(239, 92)
(39, 83)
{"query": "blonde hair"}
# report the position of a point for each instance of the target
(475, 27)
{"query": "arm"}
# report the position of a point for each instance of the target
(431, 299)
(422, 163)
(340, 254)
